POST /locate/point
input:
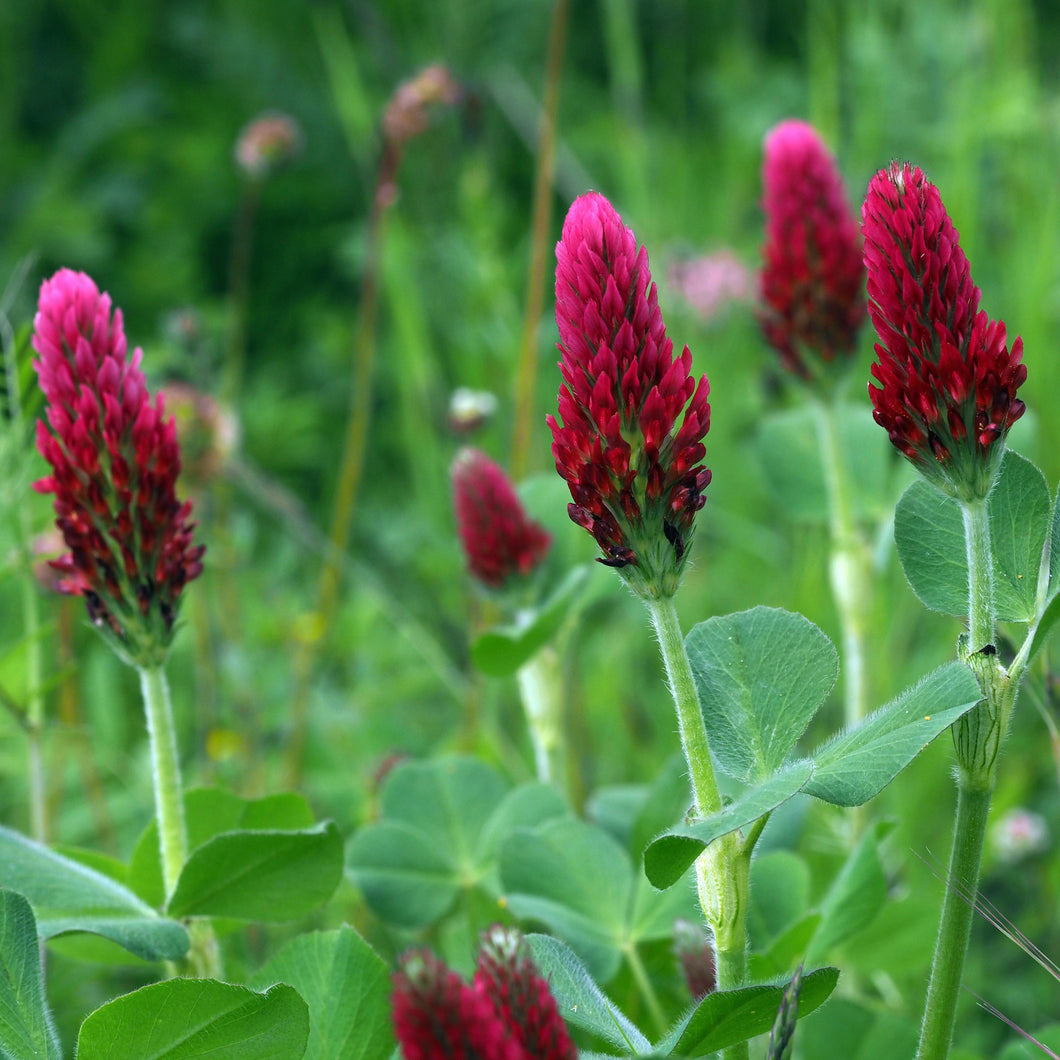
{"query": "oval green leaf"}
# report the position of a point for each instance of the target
(264, 876)
(761, 676)
(188, 1019)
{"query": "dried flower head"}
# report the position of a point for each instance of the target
(507, 1014)
(115, 462)
(634, 473)
(812, 279)
(500, 541)
(408, 112)
(947, 378)
(207, 431)
(470, 409)
(268, 142)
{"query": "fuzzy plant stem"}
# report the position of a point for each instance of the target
(848, 568)
(539, 689)
(977, 737)
(723, 869)
(165, 769)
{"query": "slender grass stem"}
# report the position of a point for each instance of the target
(644, 984)
(535, 286)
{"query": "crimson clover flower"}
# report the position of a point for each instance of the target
(500, 541)
(947, 377)
(508, 1013)
(634, 474)
(812, 283)
(115, 461)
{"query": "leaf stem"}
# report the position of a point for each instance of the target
(644, 984)
(980, 574)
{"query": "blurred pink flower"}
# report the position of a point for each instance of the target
(115, 462)
(712, 282)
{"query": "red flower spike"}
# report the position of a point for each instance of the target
(499, 540)
(694, 949)
(634, 472)
(115, 462)
(437, 1016)
(506, 974)
(947, 377)
(812, 283)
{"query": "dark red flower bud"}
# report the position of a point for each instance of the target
(499, 540)
(633, 418)
(506, 974)
(694, 949)
(948, 380)
(115, 462)
(437, 1016)
(813, 279)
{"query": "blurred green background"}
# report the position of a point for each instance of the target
(118, 123)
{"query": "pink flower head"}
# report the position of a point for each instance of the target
(507, 975)
(499, 539)
(508, 1013)
(266, 143)
(813, 279)
(115, 462)
(947, 378)
(635, 474)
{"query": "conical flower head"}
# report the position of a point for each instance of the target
(813, 278)
(437, 1016)
(500, 541)
(115, 462)
(506, 974)
(947, 377)
(633, 419)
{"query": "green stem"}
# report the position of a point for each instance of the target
(973, 809)
(977, 737)
(848, 567)
(165, 768)
(694, 742)
(540, 693)
(980, 574)
(640, 974)
(34, 677)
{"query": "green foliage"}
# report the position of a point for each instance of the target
(67, 896)
(26, 1028)
(929, 533)
(347, 988)
(184, 1018)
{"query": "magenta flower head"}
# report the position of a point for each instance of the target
(813, 279)
(947, 377)
(115, 462)
(508, 1013)
(634, 471)
(500, 541)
